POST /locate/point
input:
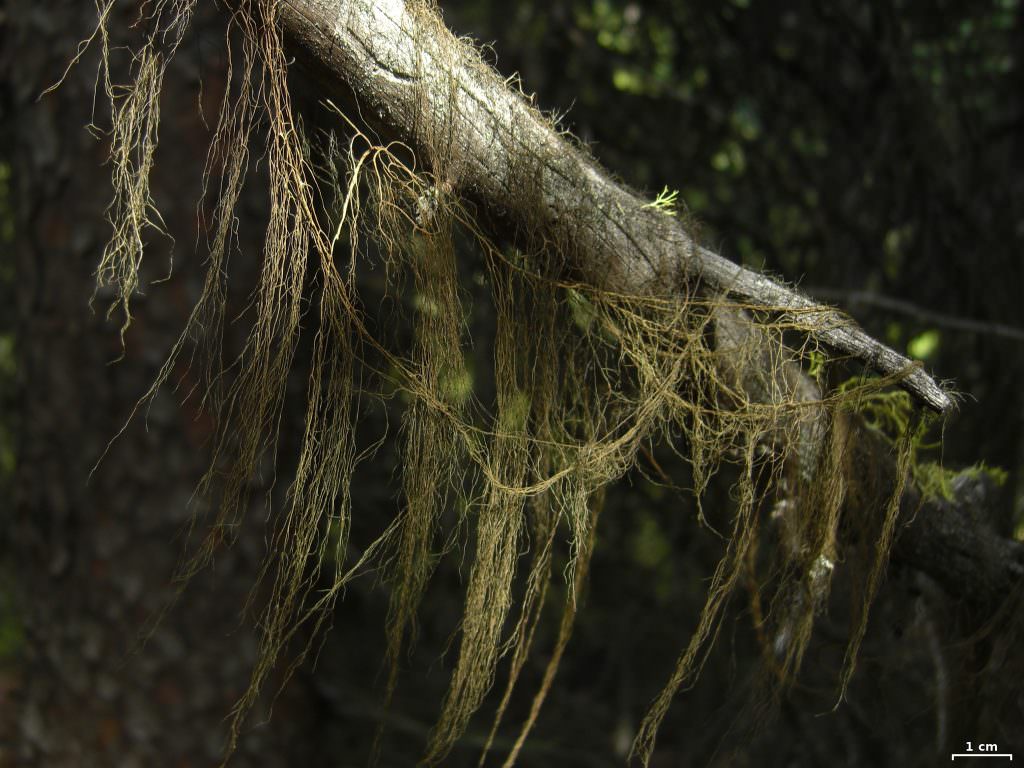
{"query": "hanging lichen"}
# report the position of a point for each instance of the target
(585, 378)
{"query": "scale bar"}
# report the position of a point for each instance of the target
(982, 754)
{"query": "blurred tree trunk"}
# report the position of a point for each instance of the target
(93, 557)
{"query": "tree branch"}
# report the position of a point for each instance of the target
(408, 75)
(395, 65)
(906, 308)
(953, 542)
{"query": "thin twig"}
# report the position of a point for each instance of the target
(906, 308)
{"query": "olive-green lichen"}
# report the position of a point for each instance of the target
(586, 378)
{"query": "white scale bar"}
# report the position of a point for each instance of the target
(982, 754)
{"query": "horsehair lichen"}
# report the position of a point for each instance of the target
(585, 379)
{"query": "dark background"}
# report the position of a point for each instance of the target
(870, 153)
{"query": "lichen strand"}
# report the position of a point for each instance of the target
(585, 377)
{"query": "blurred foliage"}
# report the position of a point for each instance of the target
(924, 345)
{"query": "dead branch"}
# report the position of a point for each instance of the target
(383, 58)
(399, 68)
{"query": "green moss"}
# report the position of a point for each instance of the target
(892, 415)
(935, 481)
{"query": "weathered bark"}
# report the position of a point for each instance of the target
(953, 542)
(397, 67)
(91, 560)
